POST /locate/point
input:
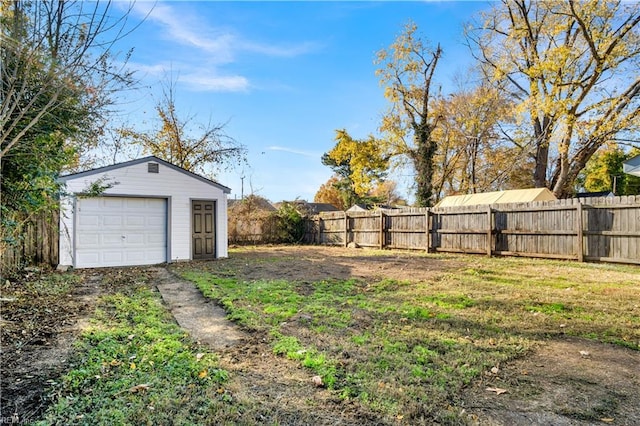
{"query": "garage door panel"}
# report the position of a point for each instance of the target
(91, 203)
(89, 220)
(112, 202)
(112, 221)
(137, 203)
(111, 240)
(135, 257)
(138, 220)
(112, 258)
(136, 239)
(155, 221)
(120, 231)
(154, 239)
(89, 240)
(88, 258)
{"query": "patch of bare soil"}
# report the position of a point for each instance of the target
(563, 382)
(276, 390)
(38, 330)
(37, 336)
(316, 263)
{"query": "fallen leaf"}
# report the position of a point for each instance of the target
(495, 370)
(199, 356)
(606, 420)
(584, 353)
(498, 391)
(132, 366)
(203, 374)
(317, 380)
(140, 388)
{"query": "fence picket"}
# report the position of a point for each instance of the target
(604, 229)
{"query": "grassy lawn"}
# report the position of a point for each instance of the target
(406, 349)
(134, 365)
(385, 344)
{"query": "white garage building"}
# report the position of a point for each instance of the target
(150, 212)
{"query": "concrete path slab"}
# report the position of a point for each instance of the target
(204, 320)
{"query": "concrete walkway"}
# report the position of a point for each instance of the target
(204, 320)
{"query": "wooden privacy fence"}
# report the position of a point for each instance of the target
(600, 229)
(36, 243)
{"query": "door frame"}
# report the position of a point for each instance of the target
(215, 226)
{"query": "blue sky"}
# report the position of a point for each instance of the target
(283, 76)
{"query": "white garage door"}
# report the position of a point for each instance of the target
(119, 231)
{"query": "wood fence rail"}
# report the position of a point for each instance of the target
(599, 229)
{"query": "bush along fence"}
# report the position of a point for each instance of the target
(603, 229)
(34, 242)
(249, 223)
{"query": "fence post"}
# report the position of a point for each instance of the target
(427, 230)
(489, 230)
(346, 229)
(319, 230)
(579, 233)
(381, 229)
(434, 231)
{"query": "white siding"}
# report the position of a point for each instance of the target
(135, 181)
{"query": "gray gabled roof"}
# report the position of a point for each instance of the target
(632, 166)
(153, 158)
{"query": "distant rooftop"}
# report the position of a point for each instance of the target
(313, 208)
(498, 197)
(632, 166)
(594, 194)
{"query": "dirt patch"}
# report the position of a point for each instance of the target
(563, 382)
(308, 264)
(41, 319)
(38, 331)
(276, 390)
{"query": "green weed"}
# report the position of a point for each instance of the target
(136, 366)
(407, 347)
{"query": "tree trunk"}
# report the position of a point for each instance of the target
(423, 162)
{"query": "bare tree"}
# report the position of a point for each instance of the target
(54, 49)
(186, 143)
